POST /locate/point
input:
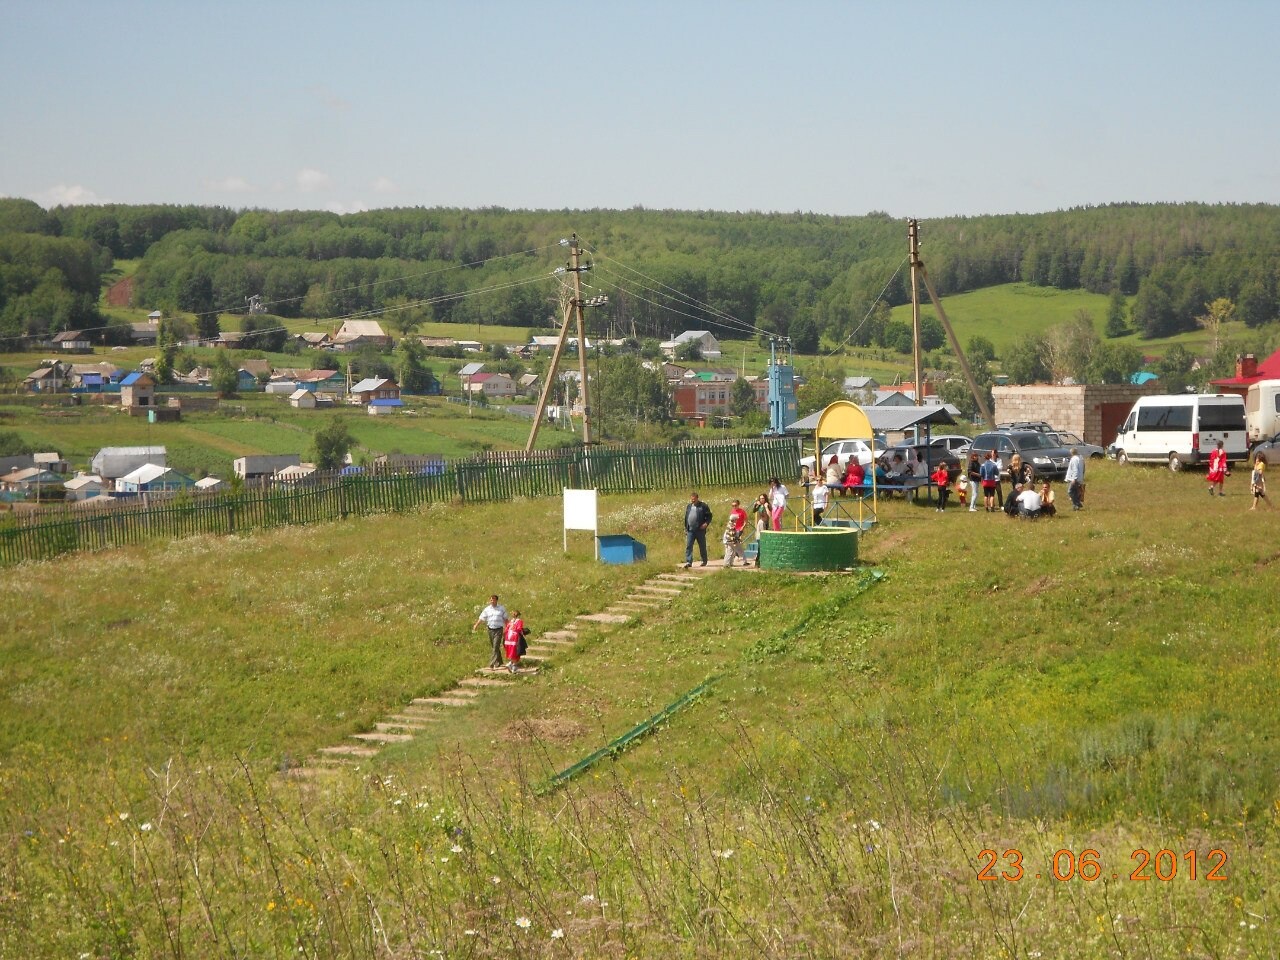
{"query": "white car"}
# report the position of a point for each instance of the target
(952, 443)
(843, 450)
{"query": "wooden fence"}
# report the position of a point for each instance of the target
(482, 478)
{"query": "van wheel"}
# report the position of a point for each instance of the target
(1122, 458)
(1175, 463)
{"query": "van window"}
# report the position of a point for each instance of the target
(1155, 419)
(1221, 416)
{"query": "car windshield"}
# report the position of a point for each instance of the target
(1036, 441)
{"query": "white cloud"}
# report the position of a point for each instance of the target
(385, 185)
(355, 206)
(68, 195)
(310, 180)
(229, 185)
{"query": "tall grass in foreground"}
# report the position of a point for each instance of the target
(216, 862)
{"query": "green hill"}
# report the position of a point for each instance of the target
(1039, 703)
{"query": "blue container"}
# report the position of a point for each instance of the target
(621, 548)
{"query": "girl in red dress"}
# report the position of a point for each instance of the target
(1217, 470)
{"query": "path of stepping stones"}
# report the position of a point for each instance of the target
(418, 716)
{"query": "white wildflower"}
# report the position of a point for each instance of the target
(557, 934)
(524, 923)
(455, 849)
(145, 827)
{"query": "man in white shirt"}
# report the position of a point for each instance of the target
(1029, 503)
(494, 616)
(1075, 480)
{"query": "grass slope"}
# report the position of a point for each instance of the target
(1099, 682)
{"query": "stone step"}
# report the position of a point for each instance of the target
(378, 737)
(350, 750)
(449, 701)
(682, 578)
(603, 617)
(554, 641)
(662, 591)
(566, 633)
(421, 720)
(314, 773)
(481, 682)
(504, 672)
(394, 724)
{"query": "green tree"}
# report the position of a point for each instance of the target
(1174, 368)
(744, 398)
(1024, 360)
(816, 393)
(1255, 305)
(263, 332)
(625, 394)
(1117, 315)
(223, 377)
(1114, 363)
(12, 444)
(1216, 314)
(413, 377)
(331, 444)
(804, 334)
(688, 352)
(980, 348)
(932, 334)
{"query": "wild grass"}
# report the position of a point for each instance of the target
(1103, 681)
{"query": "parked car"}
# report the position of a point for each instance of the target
(1048, 460)
(1021, 426)
(1090, 451)
(927, 456)
(843, 450)
(952, 443)
(1269, 446)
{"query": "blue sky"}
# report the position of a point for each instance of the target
(924, 109)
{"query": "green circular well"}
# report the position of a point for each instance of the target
(821, 549)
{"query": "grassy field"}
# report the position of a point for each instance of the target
(1099, 682)
(1004, 313)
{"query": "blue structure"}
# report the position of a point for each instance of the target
(782, 392)
(621, 548)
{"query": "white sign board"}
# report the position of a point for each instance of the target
(580, 514)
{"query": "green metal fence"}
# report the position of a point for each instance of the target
(483, 478)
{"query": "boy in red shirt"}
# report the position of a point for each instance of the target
(733, 534)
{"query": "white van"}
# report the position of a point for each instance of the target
(1262, 410)
(1183, 429)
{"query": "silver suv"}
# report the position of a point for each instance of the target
(1041, 450)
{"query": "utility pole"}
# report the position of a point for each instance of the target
(913, 237)
(576, 270)
(571, 308)
(917, 267)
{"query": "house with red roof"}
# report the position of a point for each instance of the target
(1248, 372)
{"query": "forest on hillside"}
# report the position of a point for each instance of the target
(799, 275)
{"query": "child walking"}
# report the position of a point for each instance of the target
(514, 644)
(732, 538)
(942, 480)
(1258, 482)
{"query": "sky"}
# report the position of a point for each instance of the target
(923, 109)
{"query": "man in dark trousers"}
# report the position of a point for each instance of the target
(697, 517)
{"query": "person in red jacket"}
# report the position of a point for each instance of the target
(514, 642)
(854, 476)
(942, 480)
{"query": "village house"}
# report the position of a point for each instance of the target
(302, 399)
(492, 385)
(708, 346)
(295, 473)
(73, 341)
(210, 485)
(94, 377)
(263, 465)
(381, 406)
(374, 388)
(111, 463)
(137, 390)
(529, 384)
(85, 486)
(316, 340)
(354, 334)
(145, 334)
(33, 483)
(153, 478)
(47, 379)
